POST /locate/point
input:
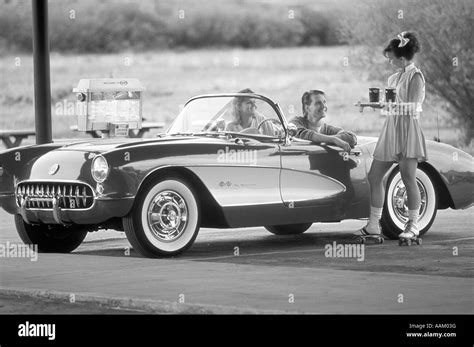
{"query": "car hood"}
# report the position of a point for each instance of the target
(105, 145)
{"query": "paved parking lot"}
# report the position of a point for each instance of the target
(252, 271)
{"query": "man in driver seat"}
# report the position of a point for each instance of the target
(246, 119)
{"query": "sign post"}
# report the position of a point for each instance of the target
(41, 72)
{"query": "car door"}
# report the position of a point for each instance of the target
(247, 173)
(244, 176)
(317, 175)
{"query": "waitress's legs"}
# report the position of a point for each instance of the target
(377, 195)
(408, 171)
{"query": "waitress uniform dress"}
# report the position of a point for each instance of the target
(401, 135)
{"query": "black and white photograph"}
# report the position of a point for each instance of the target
(234, 163)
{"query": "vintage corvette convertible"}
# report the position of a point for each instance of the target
(161, 190)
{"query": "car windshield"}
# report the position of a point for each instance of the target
(237, 114)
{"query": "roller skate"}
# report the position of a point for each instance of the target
(362, 236)
(410, 236)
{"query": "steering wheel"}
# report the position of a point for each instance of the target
(274, 121)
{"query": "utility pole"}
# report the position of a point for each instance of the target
(41, 72)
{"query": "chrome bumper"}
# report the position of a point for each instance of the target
(56, 212)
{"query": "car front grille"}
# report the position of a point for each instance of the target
(41, 195)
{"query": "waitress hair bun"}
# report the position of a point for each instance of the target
(408, 51)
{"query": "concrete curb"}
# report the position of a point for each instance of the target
(145, 305)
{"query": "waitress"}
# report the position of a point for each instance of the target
(401, 139)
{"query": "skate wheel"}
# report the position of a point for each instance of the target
(400, 242)
(419, 242)
(359, 240)
(408, 242)
(381, 240)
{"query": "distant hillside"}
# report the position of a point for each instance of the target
(117, 25)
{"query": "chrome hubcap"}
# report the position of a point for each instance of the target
(167, 216)
(400, 197)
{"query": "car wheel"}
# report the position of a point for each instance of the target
(50, 238)
(395, 211)
(291, 229)
(165, 219)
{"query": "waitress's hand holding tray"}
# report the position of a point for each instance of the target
(374, 100)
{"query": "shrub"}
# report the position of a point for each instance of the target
(237, 27)
(120, 25)
(319, 28)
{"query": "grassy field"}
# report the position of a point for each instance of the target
(172, 77)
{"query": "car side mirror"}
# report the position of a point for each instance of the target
(292, 130)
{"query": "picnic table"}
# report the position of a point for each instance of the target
(17, 135)
(146, 126)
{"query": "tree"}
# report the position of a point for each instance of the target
(444, 28)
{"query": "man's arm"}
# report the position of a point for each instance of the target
(330, 129)
(344, 135)
(301, 131)
(349, 137)
(311, 135)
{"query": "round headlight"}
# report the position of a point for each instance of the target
(99, 169)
